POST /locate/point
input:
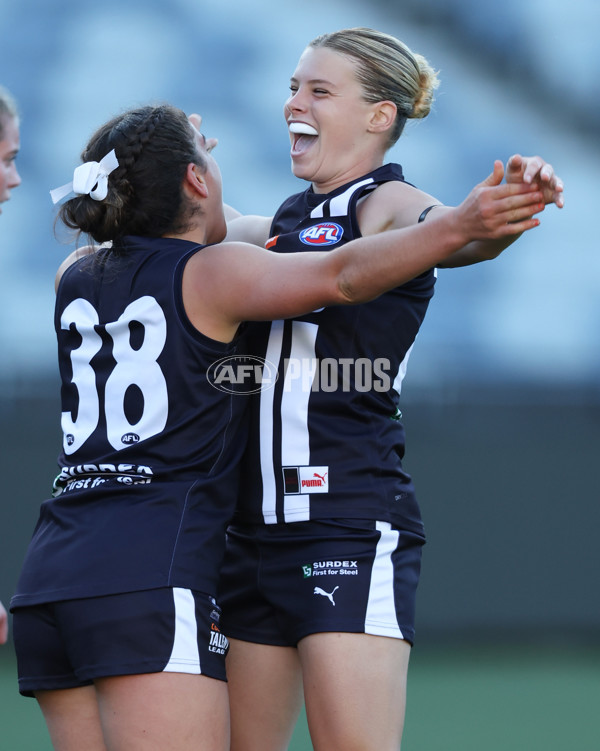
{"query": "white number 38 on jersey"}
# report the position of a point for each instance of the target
(134, 367)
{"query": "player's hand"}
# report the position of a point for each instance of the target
(495, 209)
(196, 122)
(533, 169)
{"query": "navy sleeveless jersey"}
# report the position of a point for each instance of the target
(151, 450)
(325, 439)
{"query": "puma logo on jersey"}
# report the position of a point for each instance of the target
(328, 595)
(322, 234)
(305, 480)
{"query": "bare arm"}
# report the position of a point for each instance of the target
(232, 282)
(394, 205)
(248, 228)
(230, 213)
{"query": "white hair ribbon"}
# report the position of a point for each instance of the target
(90, 178)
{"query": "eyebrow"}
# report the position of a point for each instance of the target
(314, 81)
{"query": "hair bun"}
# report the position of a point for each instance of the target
(428, 83)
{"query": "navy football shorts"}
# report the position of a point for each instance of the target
(281, 583)
(71, 643)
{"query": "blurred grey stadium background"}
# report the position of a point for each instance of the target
(502, 397)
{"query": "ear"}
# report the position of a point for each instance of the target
(383, 117)
(194, 180)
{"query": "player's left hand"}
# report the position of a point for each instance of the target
(530, 169)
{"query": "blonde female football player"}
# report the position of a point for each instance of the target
(323, 557)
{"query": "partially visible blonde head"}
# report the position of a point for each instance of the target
(387, 71)
(8, 109)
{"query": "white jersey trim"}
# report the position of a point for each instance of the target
(338, 205)
(185, 656)
(397, 385)
(381, 619)
(295, 439)
(266, 430)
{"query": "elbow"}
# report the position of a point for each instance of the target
(349, 294)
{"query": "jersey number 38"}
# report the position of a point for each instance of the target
(133, 367)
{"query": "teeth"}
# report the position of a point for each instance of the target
(304, 128)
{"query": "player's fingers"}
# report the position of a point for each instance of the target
(515, 208)
(495, 178)
(537, 169)
(524, 212)
(196, 120)
(517, 228)
(512, 195)
(555, 184)
(514, 164)
(514, 211)
(547, 173)
(511, 209)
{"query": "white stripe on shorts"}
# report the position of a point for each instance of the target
(185, 657)
(381, 617)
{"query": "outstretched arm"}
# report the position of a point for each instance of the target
(248, 228)
(520, 170)
(232, 282)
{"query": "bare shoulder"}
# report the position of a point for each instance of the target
(392, 205)
(222, 254)
(216, 279)
(216, 267)
(78, 253)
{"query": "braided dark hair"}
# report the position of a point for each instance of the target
(154, 145)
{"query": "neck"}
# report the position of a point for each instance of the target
(356, 171)
(197, 235)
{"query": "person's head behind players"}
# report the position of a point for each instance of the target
(9, 144)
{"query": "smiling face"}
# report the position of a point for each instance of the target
(9, 148)
(331, 125)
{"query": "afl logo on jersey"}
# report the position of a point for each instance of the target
(329, 233)
(130, 438)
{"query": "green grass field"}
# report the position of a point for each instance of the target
(477, 699)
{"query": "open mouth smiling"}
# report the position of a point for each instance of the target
(304, 136)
